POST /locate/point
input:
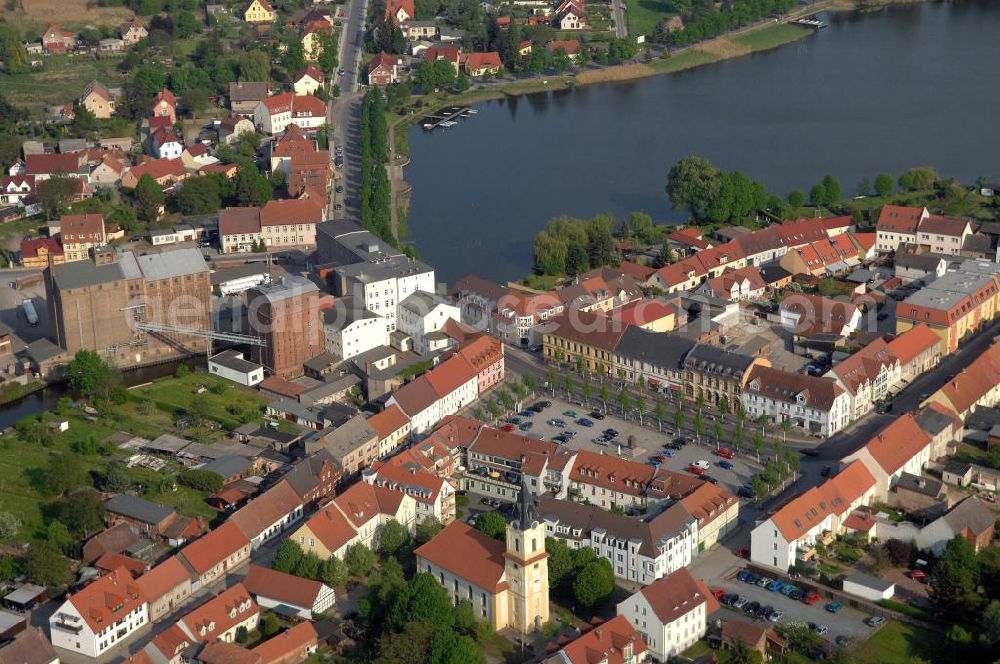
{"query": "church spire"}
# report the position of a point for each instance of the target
(525, 507)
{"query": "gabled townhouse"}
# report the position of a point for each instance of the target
(233, 126)
(274, 114)
(582, 338)
(817, 405)
(16, 188)
(640, 551)
(715, 510)
(942, 425)
(734, 285)
(486, 357)
(133, 31)
(259, 11)
(654, 315)
(100, 616)
(442, 391)
(274, 589)
(867, 376)
(971, 519)
(400, 11)
(79, 233)
(901, 447)
(898, 225)
(430, 455)
(308, 81)
(97, 99)
(976, 386)
(791, 532)
(720, 258)
(450, 53)
(670, 614)
(718, 376)
(165, 144)
(911, 266)
(350, 329)
(655, 357)
(165, 587)
(315, 477)
(108, 172)
(421, 316)
(214, 554)
(599, 290)
(570, 15)
(917, 349)
(383, 69)
(296, 644)
(614, 642)
(680, 276)
(55, 40)
(393, 429)
(269, 514)
(245, 95)
(310, 175)
(40, 252)
(221, 617)
(290, 223)
(44, 166)
(519, 316)
(477, 65)
(762, 246)
(808, 315)
(434, 496)
(163, 171)
(356, 516)
(605, 481)
(944, 235)
(165, 106)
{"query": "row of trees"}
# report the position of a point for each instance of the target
(573, 246)
(711, 194)
(704, 19)
(965, 590)
(376, 195)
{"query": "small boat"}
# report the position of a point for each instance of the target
(472, 111)
(449, 123)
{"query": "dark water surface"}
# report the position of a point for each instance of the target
(908, 86)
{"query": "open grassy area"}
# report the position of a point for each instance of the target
(896, 643)
(231, 407)
(61, 81)
(770, 37)
(643, 15)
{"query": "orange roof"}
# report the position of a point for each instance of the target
(160, 168)
(571, 46)
(605, 644)
(331, 527)
(913, 342)
(291, 211)
(450, 375)
(468, 554)
(898, 219)
(219, 614)
(209, 550)
(167, 96)
(975, 381)
(642, 312)
(676, 595)
(172, 641)
(107, 600)
(802, 513)
(850, 483)
(866, 240)
(636, 271)
(112, 561)
(708, 502)
(482, 352)
(387, 422)
(311, 72)
(285, 588)
(897, 443)
(362, 502)
(382, 60)
(264, 511)
(163, 578)
(81, 226)
(476, 61)
(223, 652)
(422, 486)
(288, 644)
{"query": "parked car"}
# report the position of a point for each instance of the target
(752, 608)
(527, 413)
(775, 586)
(742, 553)
(728, 465)
(536, 408)
(917, 575)
(728, 599)
(740, 603)
(610, 433)
(797, 596)
(695, 470)
(742, 576)
(569, 433)
(570, 413)
(562, 440)
(658, 458)
(701, 463)
(810, 599)
(600, 440)
(833, 607)
(525, 426)
(667, 453)
(842, 640)
(764, 582)
(543, 403)
(514, 420)
(596, 414)
(709, 478)
(745, 492)
(718, 593)
(751, 578)
(507, 427)
(826, 471)
(875, 621)
(821, 629)
(788, 590)
(556, 422)
(584, 422)
(724, 453)
(765, 611)
(776, 615)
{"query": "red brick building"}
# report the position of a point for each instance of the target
(286, 314)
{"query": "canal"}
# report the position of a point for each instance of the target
(908, 86)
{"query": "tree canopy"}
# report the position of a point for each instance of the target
(492, 524)
(712, 195)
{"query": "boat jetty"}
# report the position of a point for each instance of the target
(447, 117)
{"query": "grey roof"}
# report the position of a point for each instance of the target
(655, 348)
(978, 243)
(8, 620)
(284, 288)
(957, 467)
(232, 359)
(932, 421)
(25, 594)
(386, 267)
(420, 302)
(73, 144)
(348, 437)
(712, 359)
(227, 466)
(773, 273)
(346, 310)
(648, 532)
(168, 443)
(421, 24)
(42, 349)
(247, 91)
(138, 508)
(870, 581)
(925, 262)
(927, 486)
(971, 513)
(81, 274)
(304, 475)
(330, 387)
(321, 361)
(177, 263)
(30, 646)
(861, 276)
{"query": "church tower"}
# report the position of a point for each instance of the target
(526, 568)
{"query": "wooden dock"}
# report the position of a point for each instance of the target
(450, 114)
(810, 22)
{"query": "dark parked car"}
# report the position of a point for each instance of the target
(752, 608)
(596, 414)
(728, 599)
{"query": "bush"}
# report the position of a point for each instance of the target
(907, 610)
(242, 636)
(202, 480)
(899, 552)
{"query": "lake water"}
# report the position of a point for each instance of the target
(909, 86)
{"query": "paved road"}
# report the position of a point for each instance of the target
(621, 27)
(350, 50)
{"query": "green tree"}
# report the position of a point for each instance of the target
(624, 402)
(359, 560)
(242, 635)
(409, 646)
(461, 82)
(694, 183)
(679, 419)
(796, 198)
(309, 566)
(84, 121)
(90, 375)
(185, 25)
(424, 600)
(952, 589)
(10, 568)
(12, 50)
(989, 627)
(62, 474)
(333, 572)
(594, 583)
(393, 537)
(286, 556)
(255, 65)
(491, 524)
(202, 480)
(560, 562)
(717, 430)
(55, 193)
(148, 198)
(271, 625)
(447, 647)
(294, 58)
(45, 565)
(884, 184)
(922, 177)
(116, 479)
(201, 195)
(741, 653)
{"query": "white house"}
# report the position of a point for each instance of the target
(268, 515)
(792, 531)
(639, 551)
(308, 81)
(901, 447)
(670, 614)
(229, 364)
(100, 616)
(898, 225)
(421, 316)
(817, 405)
(350, 329)
(303, 596)
(15, 188)
(868, 376)
(166, 145)
(273, 114)
(434, 496)
(381, 285)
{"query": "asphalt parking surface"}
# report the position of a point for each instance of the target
(845, 622)
(648, 441)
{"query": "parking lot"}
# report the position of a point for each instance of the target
(846, 622)
(648, 441)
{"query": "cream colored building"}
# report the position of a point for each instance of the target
(259, 11)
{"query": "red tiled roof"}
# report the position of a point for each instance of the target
(73, 227)
(636, 271)
(163, 578)
(285, 588)
(239, 221)
(209, 550)
(481, 60)
(160, 168)
(571, 46)
(45, 164)
(112, 561)
(230, 607)
(298, 105)
(223, 652)
(421, 485)
(30, 248)
(107, 600)
(770, 382)
(897, 443)
(897, 219)
(449, 53)
(291, 211)
(264, 511)
(866, 240)
(310, 71)
(865, 365)
(382, 60)
(289, 644)
(586, 327)
(708, 502)
(166, 96)
(392, 8)
(918, 339)
(468, 554)
(605, 644)
(387, 422)
(416, 396)
(975, 381)
(676, 595)
(482, 352)
(331, 527)
(642, 312)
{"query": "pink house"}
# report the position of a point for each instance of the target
(485, 354)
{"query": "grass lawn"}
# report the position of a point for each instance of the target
(770, 37)
(685, 60)
(896, 643)
(498, 648)
(60, 81)
(643, 15)
(227, 408)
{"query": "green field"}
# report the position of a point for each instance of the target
(229, 408)
(60, 81)
(897, 643)
(643, 15)
(770, 37)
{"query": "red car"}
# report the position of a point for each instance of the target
(811, 598)
(743, 553)
(657, 458)
(724, 453)
(718, 592)
(917, 575)
(508, 427)
(695, 470)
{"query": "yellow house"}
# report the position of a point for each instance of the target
(582, 337)
(312, 38)
(259, 11)
(506, 582)
(97, 99)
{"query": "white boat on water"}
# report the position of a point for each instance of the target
(472, 111)
(449, 123)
